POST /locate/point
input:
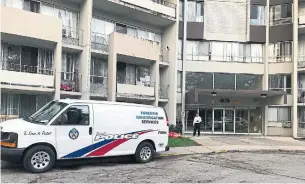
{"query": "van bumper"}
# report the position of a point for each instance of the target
(13, 155)
(167, 148)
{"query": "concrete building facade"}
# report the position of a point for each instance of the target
(115, 50)
(239, 63)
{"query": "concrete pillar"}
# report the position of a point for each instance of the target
(183, 60)
(57, 69)
(112, 69)
(85, 56)
(154, 75)
(294, 117)
(170, 39)
(266, 68)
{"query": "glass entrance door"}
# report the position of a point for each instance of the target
(218, 120)
(229, 120)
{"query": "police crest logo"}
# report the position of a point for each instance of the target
(73, 134)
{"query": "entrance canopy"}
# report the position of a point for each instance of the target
(234, 97)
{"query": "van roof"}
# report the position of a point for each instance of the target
(70, 101)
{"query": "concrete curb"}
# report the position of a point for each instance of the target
(232, 151)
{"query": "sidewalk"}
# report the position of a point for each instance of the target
(235, 143)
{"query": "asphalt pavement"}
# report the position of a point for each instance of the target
(267, 167)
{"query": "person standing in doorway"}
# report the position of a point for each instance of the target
(196, 123)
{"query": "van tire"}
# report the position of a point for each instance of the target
(144, 152)
(44, 153)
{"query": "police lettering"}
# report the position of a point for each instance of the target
(101, 136)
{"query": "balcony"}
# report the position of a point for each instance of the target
(70, 82)
(98, 86)
(99, 42)
(41, 27)
(135, 47)
(301, 62)
(72, 37)
(159, 13)
(26, 77)
(163, 92)
(128, 88)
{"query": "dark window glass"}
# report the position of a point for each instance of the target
(224, 81)
(198, 80)
(74, 115)
(248, 82)
(254, 12)
(120, 28)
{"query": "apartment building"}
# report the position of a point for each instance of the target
(241, 66)
(115, 50)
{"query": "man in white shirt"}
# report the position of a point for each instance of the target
(196, 123)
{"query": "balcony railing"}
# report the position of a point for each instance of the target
(72, 36)
(301, 95)
(280, 59)
(164, 57)
(133, 81)
(163, 91)
(99, 85)
(281, 21)
(9, 113)
(288, 90)
(301, 61)
(165, 3)
(195, 18)
(223, 58)
(25, 68)
(70, 81)
(99, 41)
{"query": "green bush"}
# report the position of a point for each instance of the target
(176, 128)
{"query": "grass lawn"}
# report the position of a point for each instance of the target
(181, 142)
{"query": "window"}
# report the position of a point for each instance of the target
(257, 15)
(30, 5)
(12, 3)
(181, 9)
(74, 115)
(98, 71)
(280, 52)
(69, 66)
(197, 51)
(248, 82)
(195, 11)
(224, 81)
(179, 81)
(133, 74)
(180, 51)
(280, 83)
(281, 14)
(198, 80)
(120, 28)
(279, 114)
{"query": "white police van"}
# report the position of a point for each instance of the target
(76, 129)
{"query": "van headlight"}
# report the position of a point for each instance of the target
(9, 139)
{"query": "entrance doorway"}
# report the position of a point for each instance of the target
(226, 120)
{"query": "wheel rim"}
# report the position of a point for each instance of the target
(145, 153)
(40, 160)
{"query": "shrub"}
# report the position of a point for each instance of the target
(176, 128)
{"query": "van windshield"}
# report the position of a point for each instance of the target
(45, 115)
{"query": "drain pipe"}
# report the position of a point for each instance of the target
(183, 120)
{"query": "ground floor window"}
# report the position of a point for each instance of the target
(226, 119)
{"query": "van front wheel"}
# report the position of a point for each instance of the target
(144, 152)
(39, 159)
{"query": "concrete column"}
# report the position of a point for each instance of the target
(57, 69)
(170, 39)
(266, 67)
(154, 75)
(183, 60)
(112, 69)
(85, 56)
(294, 117)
